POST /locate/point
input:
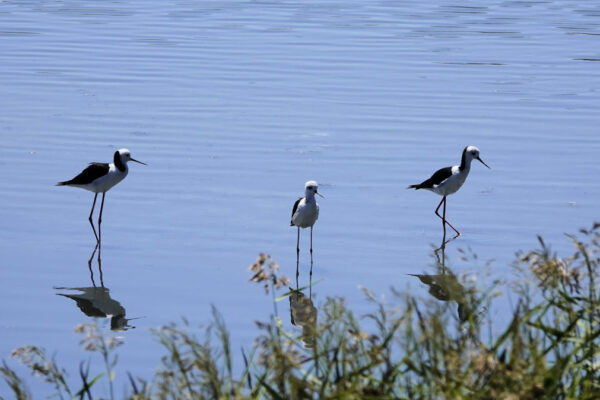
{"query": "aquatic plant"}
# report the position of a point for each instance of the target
(406, 348)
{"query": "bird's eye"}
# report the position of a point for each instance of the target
(473, 152)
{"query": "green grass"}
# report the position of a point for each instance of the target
(443, 347)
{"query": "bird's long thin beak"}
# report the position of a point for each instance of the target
(480, 160)
(134, 160)
(320, 194)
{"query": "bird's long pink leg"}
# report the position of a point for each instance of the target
(297, 257)
(444, 217)
(100, 218)
(311, 262)
(90, 218)
(449, 224)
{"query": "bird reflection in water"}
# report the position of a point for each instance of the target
(95, 301)
(99, 250)
(303, 313)
(445, 286)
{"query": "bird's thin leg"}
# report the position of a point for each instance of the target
(443, 247)
(100, 219)
(449, 224)
(444, 217)
(297, 257)
(90, 218)
(444, 258)
(100, 264)
(90, 263)
(311, 262)
(445, 222)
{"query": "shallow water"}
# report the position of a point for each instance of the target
(234, 105)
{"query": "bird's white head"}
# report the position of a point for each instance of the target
(472, 153)
(125, 155)
(311, 188)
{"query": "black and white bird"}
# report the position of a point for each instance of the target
(99, 178)
(448, 180)
(304, 215)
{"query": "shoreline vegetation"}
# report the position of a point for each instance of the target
(407, 347)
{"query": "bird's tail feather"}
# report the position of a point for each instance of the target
(62, 183)
(416, 187)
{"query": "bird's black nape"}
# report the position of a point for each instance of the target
(463, 160)
(118, 163)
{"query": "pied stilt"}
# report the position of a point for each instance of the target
(99, 178)
(304, 215)
(448, 180)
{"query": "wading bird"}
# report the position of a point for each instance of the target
(448, 180)
(99, 178)
(304, 214)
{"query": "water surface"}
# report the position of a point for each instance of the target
(234, 105)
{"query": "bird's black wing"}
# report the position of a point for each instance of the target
(88, 175)
(294, 210)
(438, 177)
(86, 306)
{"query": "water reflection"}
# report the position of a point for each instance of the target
(445, 286)
(98, 249)
(303, 313)
(95, 301)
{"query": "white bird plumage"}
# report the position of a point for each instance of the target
(306, 209)
(100, 178)
(304, 215)
(449, 180)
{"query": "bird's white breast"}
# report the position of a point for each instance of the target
(109, 180)
(452, 183)
(307, 214)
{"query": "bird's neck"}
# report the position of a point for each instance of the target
(310, 197)
(121, 166)
(465, 162)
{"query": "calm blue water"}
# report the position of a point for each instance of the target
(234, 105)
